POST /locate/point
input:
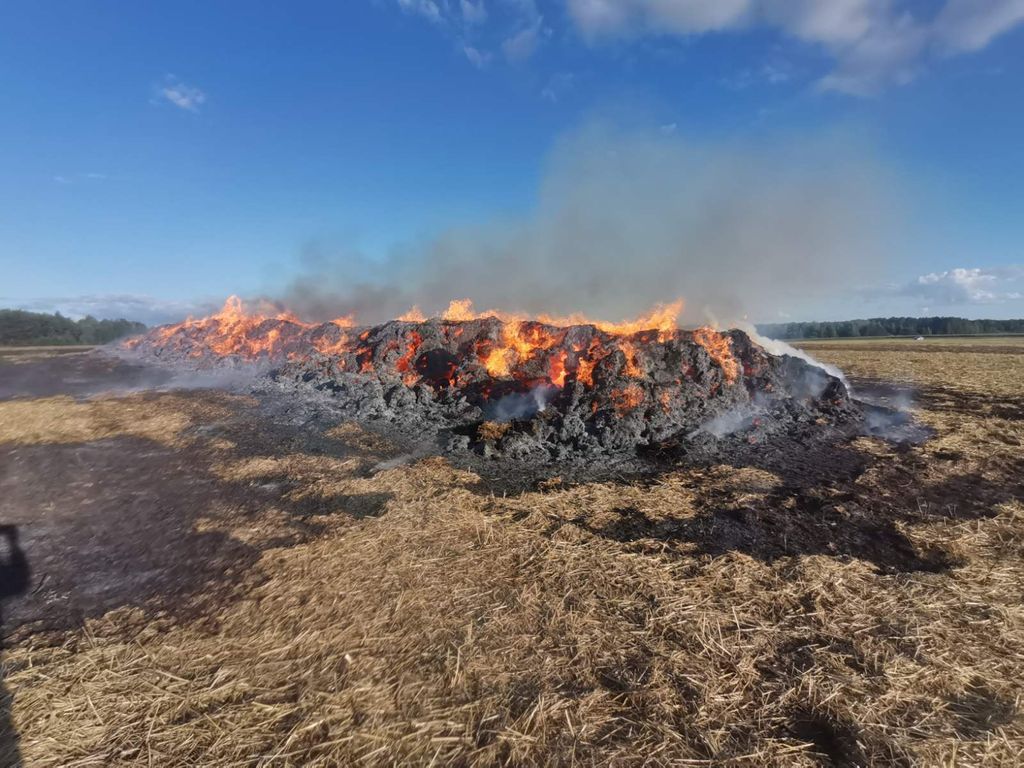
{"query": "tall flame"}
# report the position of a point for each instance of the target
(663, 318)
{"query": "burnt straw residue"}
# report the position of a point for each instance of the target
(787, 523)
(833, 499)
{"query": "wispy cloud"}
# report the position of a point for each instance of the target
(768, 74)
(181, 95)
(426, 8)
(481, 28)
(71, 178)
(473, 12)
(873, 43)
(558, 86)
(522, 44)
(477, 57)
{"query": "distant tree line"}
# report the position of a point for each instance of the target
(20, 328)
(890, 326)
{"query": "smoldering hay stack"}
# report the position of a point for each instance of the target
(521, 388)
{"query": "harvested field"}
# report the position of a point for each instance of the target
(216, 582)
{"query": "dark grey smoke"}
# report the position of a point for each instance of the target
(624, 220)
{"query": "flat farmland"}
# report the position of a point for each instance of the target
(214, 583)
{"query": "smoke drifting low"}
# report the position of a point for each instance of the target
(626, 220)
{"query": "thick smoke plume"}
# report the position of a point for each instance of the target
(626, 220)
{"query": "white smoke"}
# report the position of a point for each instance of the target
(729, 422)
(779, 347)
(522, 405)
(627, 219)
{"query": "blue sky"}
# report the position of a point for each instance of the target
(157, 157)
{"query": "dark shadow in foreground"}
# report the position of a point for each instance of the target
(14, 580)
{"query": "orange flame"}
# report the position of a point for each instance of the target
(519, 340)
(719, 349)
(586, 361)
(632, 368)
(325, 346)
(459, 311)
(405, 363)
(663, 318)
(497, 362)
(523, 336)
(414, 315)
(346, 321)
(232, 331)
(556, 369)
(585, 371)
(244, 331)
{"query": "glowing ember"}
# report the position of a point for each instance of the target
(405, 363)
(585, 371)
(719, 348)
(627, 399)
(556, 371)
(632, 368)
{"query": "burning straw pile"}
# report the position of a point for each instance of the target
(523, 388)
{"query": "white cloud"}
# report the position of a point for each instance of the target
(426, 8)
(970, 25)
(523, 44)
(478, 27)
(873, 43)
(477, 57)
(179, 94)
(968, 286)
(473, 13)
(611, 17)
